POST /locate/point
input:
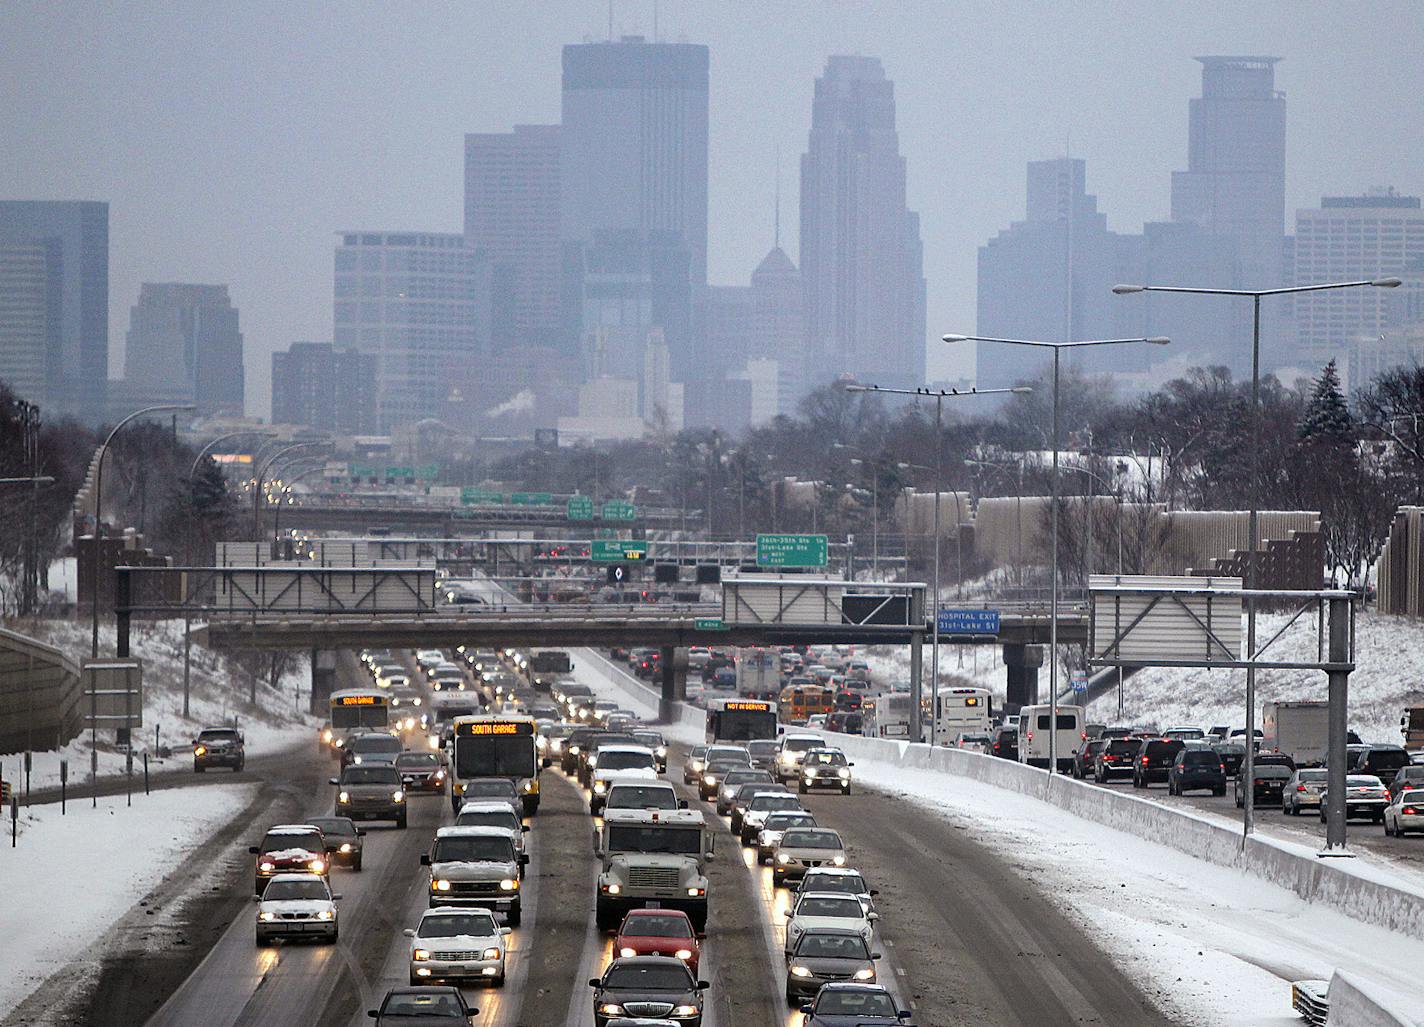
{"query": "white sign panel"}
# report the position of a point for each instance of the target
(113, 693)
(1152, 618)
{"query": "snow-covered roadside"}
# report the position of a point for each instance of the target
(71, 877)
(1213, 945)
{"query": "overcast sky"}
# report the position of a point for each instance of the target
(233, 140)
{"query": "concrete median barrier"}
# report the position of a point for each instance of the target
(1352, 1006)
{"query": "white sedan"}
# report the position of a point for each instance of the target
(1406, 813)
(296, 906)
(826, 909)
(457, 944)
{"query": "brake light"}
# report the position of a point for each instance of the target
(1221, 767)
(1144, 761)
(1030, 736)
(1300, 788)
(1408, 811)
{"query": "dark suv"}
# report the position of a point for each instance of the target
(1117, 756)
(1381, 761)
(224, 747)
(1086, 757)
(1268, 782)
(1154, 760)
(1004, 742)
(1197, 767)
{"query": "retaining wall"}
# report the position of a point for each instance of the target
(1350, 1006)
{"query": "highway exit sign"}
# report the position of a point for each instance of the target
(471, 496)
(617, 550)
(618, 510)
(580, 508)
(792, 551)
(708, 624)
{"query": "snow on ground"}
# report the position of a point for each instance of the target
(1214, 946)
(73, 876)
(219, 692)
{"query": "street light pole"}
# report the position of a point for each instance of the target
(1248, 764)
(261, 474)
(939, 396)
(1057, 348)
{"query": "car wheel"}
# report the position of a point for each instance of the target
(1388, 831)
(792, 1001)
(498, 982)
(333, 936)
(513, 917)
(198, 769)
(415, 981)
(356, 864)
(237, 768)
(801, 788)
(1322, 814)
(400, 822)
(845, 790)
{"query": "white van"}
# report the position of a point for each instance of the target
(1033, 735)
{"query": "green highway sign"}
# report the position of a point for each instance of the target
(360, 471)
(708, 624)
(617, 550)
(792, 551)
(580, 508)
(427, 472)
(531, 498)
(472, 496)
(400, 472)
(619, 510)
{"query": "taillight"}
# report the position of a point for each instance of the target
(1408, 811)
(1030, 736)
(1300, 788)
(1144, 761)
(1221, 767)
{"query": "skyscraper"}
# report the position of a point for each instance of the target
(512, 221)
(634, 142)
(861, 262)
(24, 319)
(778, 329)
(317, 385)
(1235, 182)
(184, 345)
(75, 237)
(417, 301)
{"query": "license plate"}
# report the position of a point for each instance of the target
(653, 904)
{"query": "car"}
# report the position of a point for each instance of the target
(763, 804)
(1086, 757)
(1365, 796)
(639, 794)
(620, 721)
(735, 779)
(804, 848)
(694, 764)
(715, 771)
(1154, 760)
(1232, 754)
(476, 866)
(653, 986)
(457, 944)
(343, 840)
(839, 881)
(846, 722)
(1381, 761)
(973, 741)
(1197, 767)
(219, 747)
(296, 906)
(1404, 779)
(1116, 756)
(1004, 743)
(1405, 813)
(824, 955)
(493, 813)
(1302, 790)
(654, 740)
(289, 849)
(371, 792)
(1268, 783)
(492, 789)
(775, 826)
(422, 773)
(794, 746)
(581, 738)
(744, 795)
(611, 763)
(848, 1004)
(826, 909)
(824, 768)
(658, 932)
(371, 747)
(583, 769)
(763, 753)
(423, 1007)
(1185, 734)
(428, 659)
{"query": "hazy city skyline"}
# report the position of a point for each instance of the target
(232, 155)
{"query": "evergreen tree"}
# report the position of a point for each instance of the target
(1327, 416)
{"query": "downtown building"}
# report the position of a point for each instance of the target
(184, 345)
(54, 305)
(861, 258)
(316, 385)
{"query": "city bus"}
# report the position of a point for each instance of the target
(356, 709)
(886, 715)
(798, 702)
(962, 711)
(496, 745)
(740, 720)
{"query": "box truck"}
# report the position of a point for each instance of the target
(1300, 729)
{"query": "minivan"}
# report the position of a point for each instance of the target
(1034, 735)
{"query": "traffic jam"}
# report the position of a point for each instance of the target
(477, 728)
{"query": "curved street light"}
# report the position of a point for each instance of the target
(262, 473)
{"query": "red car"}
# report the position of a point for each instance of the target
(658, 932)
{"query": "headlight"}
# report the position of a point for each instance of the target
(509, 884)
(397, 795)
(599, 788)
(838, 860)
(680, 1011)
(265, 916)
(356, 760)
(865, 974)
(343, 796)
(326, 736)
(340, 743)
(316, 866)
(573, 750)
(695, 892)
(434, 743)
(787, 758)
(810, 775)
(440, 775)
(800, 971)
(490, 954)
(200, 750)
(345, 847)
(783, 859)
(416, 700)
(660, 752)
(326, 914)
(439, 885)
(531, 786)
(710, 779)
(844, 773)
(420, 955)
(698, 766)
(265, 865)
(683, 953)
(615, 889)
(611, 1009)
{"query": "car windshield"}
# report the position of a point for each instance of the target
(826, 759)
(497, 787)
(814, 945)
(376, 743)
(285, 891)
(741, 777)
(224, 734)
(641, 797)
(295, 840)
(811, 840)
(417, 761)
(649, 977)
(772, 802)
(649, 738)
(697, 752)
(489, 818)
(656, 927)
(413, 1004)
(1120, 747)
(449, 925)
(335, 825)
(800, 744)
(473, 850)
(854, 1003)
(624, 760)
(786, 821)
(1313, 775)
(1272, 771)
(848, 884)
(813, 905)
(1362, 781)
(1414, 795)
(762, 748)
(371, 776)
(1387, 759)
(637, 838)
(727, 754)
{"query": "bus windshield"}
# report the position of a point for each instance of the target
(495, 756)
(347, 714)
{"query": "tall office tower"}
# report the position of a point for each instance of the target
(317, 385)
(778, 330)
(184, 345)
(1235, 182)
(75, 237)
(728, 331)
(861, 263)
(24, 323)
(634, 283)
(414, 301)
(634, 142)
(512, 221)
(1050, 277)
(1351, 238)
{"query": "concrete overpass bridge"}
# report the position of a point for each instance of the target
(327, 513)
